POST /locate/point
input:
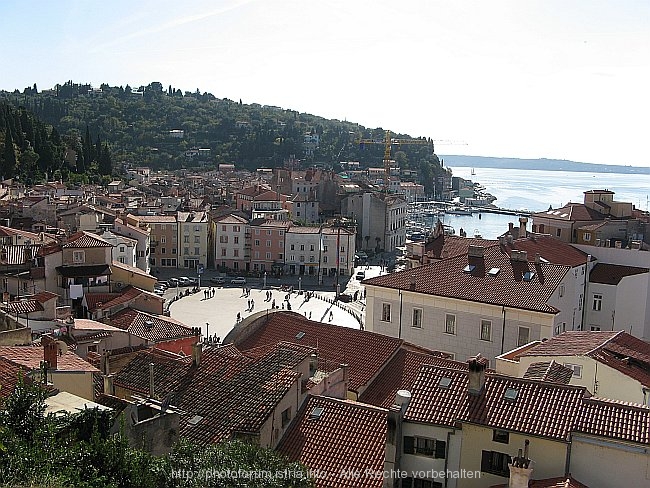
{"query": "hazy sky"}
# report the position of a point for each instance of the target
(558, 79)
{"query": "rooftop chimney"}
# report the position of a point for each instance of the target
(509, 238)
(538, 258)
(50, 351)
(522, 226)
(151, 384)
(520, 470)
(477, 365)
(108, 385)
(197, 352)
(476, 251)
(413, 281)
(402, 399)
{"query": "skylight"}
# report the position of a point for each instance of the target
(529, 275)
(469, 268)
(511, 394)
(444, 382)
(494, 271)
(300, 335)
(316, 413)
(195, 420)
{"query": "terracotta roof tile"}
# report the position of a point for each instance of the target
(9, 372)
(44, 296)
(549, 248)
(444, 247)
(508, 288)
(617, 420)
(154, 328)
(85, 240)
(31, 357)
(24, 307)
(232, 395)
(365, 352)
(542, 409)
(570, 343)
(570, 212)
(93, 300)
(549, 371)
(400, 374)
(612, 274)
(168, 372)
(347, 437)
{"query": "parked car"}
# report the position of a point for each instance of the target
(159, 291)
(161, 284)
(173, 282)
(184, 281)
(193, 281)
(240, 280)
(361, 275)
(218, 280)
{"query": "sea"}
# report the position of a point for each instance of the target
(537, 190)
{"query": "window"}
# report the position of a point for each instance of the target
(312, 259)
(196, 251)
(576, 368)
(486, 330)
(223, 252)
(523, 336)
(222, 239)
(425, 446)
(311, 247)
(450, 323)
(286, 416)
(163, 239)
(342, 248)
(587, 237)
(197, 228)
(236, 253)
(292, 247)
(268, 243)
(598, 302)
(302, 259)
(197, 239)
(223, 228)
(268, 232)
(561, 291)
(173, 250)
(501, 436)
(257, 242)
(257, 232)
(163, 250)
(495, 463)
(324, 248)
(187, 239)
(122, 249)
(257, 255)
(121, 259)
(236, 240)
(186, 251)
(302, 247)
(78, 257)
(559, 232)
(595, 328)
(324, 259)
(385, 312)
(417, 318)
(268, 255)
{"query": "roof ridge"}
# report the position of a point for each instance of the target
(601, 346)
(347, 401)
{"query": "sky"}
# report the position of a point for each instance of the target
(564, 79)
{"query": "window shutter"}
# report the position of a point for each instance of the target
(441, 448)
(486, 461)
(408, 445)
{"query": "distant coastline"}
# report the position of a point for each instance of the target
(545, 164)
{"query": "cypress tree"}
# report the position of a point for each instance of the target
(8, 157)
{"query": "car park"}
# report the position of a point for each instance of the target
(240, 280)
(218, 280)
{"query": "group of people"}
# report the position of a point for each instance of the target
(209, 293)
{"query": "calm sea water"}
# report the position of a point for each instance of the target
(536, 190)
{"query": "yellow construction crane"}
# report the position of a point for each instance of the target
(388, 142)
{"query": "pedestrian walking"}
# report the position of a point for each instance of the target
(310, 315)
(238, 316)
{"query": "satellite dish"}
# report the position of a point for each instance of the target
(62, 347)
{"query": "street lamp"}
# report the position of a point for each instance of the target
(299, 284)
(207, 331)
(264, 279)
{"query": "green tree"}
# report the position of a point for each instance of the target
(8, 167)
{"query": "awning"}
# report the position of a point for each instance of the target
(84, 271)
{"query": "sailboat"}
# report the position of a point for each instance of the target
(473, 172)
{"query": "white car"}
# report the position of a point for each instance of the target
(240, 280)
(361, 275)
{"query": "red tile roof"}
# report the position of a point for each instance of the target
(232, 395)
(616, 420)
(400, 373)
(9, 372)
(85, 240)
(549, 371)
(347, 437)
(45, 296)
(24, 307)
(447, 278)
(169, 369)
(365, 352)
(31, 357)
(612, 274)
(570, 343)
(570, 212)
(616, 349)
(549, 248)
(444, 247)
(93, 300)
(154, 328)
(542, 409)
